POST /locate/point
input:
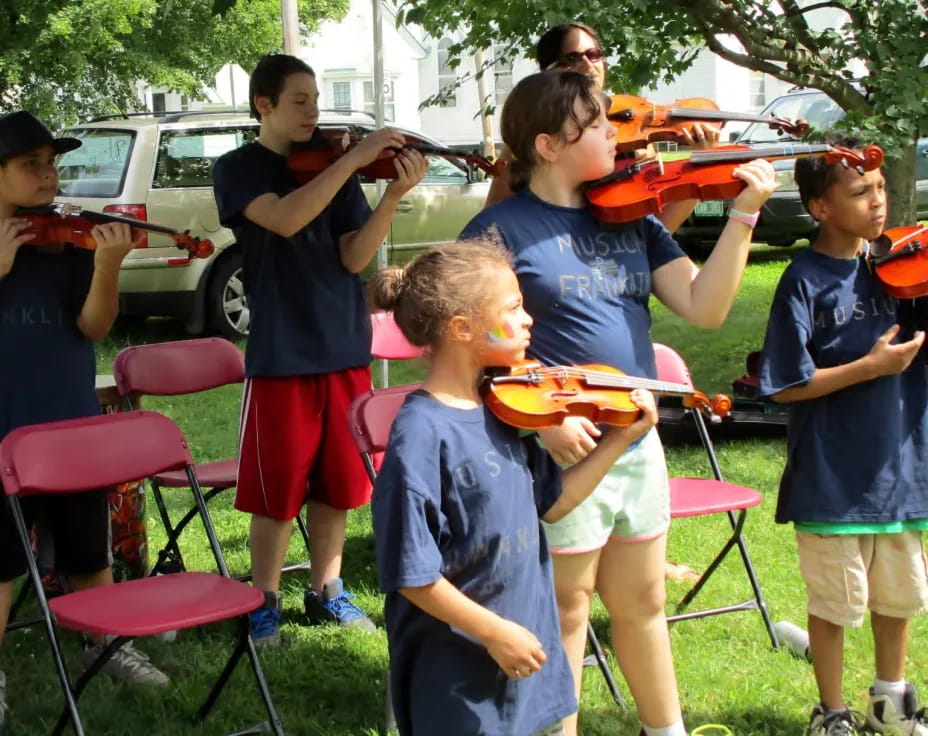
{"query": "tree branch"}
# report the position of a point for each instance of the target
(795, 16)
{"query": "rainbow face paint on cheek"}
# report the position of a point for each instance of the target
(503, 332)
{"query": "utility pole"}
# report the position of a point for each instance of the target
(290, 21)
(488, 147)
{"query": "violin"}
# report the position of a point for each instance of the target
(73, 225)
(331, 143)
(639, 122)
(637, 189)
(533, 396)
(899, 258)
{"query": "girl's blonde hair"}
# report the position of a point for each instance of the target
(440, 283)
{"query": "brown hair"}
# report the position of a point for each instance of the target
(814, 175)
(543, 103)
(440, 283)
(270, 76)
(550, 46)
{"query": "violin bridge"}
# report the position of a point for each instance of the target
(560, 376)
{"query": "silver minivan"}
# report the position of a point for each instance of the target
(159, 168)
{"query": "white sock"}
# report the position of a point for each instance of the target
(895, 691)
(674, 729)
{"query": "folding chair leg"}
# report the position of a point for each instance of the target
(603, 663)
(244, 645)
(758, 594)
(70, 710)
(12, 622)
(88, 674)
(732, 541)
(169, 556)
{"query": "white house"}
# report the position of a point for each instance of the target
(415, 68)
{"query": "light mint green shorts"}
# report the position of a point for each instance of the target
(631, 503)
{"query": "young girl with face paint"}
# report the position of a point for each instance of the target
(470, 611)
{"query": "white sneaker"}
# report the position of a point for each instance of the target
(833, 723)
(127, 664)
(883, 718)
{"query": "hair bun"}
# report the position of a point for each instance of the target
(385, 288)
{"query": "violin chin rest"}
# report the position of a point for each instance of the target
(880, 246)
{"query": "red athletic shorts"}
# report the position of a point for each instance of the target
(295, 444)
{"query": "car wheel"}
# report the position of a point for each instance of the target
(228, 309)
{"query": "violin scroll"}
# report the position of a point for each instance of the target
(870, 159)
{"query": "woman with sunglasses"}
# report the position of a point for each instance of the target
(576, 47)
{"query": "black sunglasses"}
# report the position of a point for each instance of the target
(575, 58)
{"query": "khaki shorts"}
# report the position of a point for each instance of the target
(845, 574)
(631, 503)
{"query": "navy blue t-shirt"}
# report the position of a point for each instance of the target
(859, 454)
(459, 496)
(48, 368)
(586, 285)
(308, 313)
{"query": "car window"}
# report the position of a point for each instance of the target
(444, 171)
(98, 167)
(819, 110)
(186, 157)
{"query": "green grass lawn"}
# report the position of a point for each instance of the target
(330, 681)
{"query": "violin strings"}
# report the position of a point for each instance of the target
(611, 380)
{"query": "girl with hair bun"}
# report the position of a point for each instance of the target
(470, 612)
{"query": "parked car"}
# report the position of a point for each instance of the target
(783, 219)
(159, 168)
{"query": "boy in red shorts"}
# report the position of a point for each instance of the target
(308, 351)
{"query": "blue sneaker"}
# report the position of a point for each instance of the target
(264, 624)
(335, 606)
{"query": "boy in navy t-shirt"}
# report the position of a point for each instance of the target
(308, 350)
(844, 354)
(54, 302)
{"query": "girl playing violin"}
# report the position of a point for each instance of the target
(575, 46)
(587, 289)
(470, 610)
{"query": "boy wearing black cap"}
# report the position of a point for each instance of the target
(54, 302)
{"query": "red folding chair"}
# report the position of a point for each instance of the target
(176, 369)
(104, 451)
(705, 496)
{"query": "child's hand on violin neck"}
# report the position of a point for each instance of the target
(761, 181)
(373, 145)
(644, 400)
(410, 168)
(887, 359)
(515, 649)
(114, 241)
(700, 135)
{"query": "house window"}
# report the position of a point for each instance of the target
(446, 75)
(757, 95)
(157, 102)
(341, 95)
(502, 73)
(389, 108)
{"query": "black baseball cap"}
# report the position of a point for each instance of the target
(21, 132)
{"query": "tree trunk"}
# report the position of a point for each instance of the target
(900, 182)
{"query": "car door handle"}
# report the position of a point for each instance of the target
(404, 205)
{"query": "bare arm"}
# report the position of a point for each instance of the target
(358, 247)
(703, 296)
(884, 359)
(289, 214)
(499, 184)
(114, 241)
(514, 648)
(580, 480)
